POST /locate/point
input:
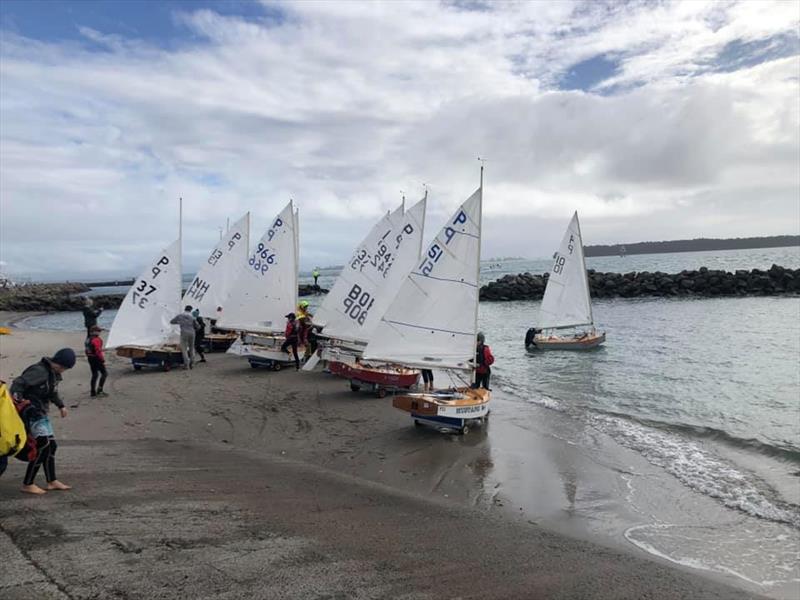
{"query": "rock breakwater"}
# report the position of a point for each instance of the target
(701, 282)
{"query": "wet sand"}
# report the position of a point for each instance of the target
(230, 482)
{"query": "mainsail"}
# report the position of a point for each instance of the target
(143, 318)
(566, 301)
(266, 287)
(370, 280)
(433, 320)
(213, 282)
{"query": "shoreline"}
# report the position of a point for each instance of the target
(519, 472)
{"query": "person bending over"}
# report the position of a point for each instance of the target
(35, 390)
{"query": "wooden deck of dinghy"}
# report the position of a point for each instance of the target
(555, 342)
(427, 404)
(144, 351)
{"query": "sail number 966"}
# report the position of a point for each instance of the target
(357, 304)
(261, 259)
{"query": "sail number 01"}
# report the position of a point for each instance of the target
(357, 304)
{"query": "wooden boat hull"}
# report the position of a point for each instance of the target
(555, 342)
(453, 409)
(163, 357)
(379, 379)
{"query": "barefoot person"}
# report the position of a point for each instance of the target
(37, 387)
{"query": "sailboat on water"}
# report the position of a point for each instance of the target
(363, 292)
(141, 329)
(433, 323)
(565, 317)
(264, 292)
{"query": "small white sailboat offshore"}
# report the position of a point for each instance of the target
(363, 292)
(433, 323)
(263, 293)
(565, 317)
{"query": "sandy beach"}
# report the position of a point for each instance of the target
(230, 482)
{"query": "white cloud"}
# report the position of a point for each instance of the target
(342, 105)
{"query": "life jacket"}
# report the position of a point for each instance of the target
(12, 429)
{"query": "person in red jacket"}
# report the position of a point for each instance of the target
(483, 363)
(97, 361)
(292, 335)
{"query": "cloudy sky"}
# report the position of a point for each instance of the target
(655, 120)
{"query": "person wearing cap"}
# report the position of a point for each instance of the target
(292, 334)
(188, 326)
(90, 314)
(35, 389)
(199, 334)
(305, 324)
(483, 362)
(97, 361)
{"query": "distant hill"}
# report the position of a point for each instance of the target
(698, 245)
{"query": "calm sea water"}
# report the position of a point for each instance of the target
(708, 389)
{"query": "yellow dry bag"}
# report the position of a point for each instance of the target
(12, 429)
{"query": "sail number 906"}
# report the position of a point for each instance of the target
(357, 304)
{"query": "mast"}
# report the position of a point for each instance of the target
(478, 266)
(585, 275)
(424, 213)
(296, 231)
(180, 248)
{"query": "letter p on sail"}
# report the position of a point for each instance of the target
(162, 262)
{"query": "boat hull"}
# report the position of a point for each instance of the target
(454, 409)
(570, 342)
(263, 351)
(378, 378)
(162, 357)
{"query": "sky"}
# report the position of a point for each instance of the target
(654, 120)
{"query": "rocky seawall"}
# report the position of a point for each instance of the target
(54, 297)
(702, 282)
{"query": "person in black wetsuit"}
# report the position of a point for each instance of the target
(427, 379)
(35, 389)
(199, 334)
(90, 314)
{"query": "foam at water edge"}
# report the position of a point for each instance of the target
(540, 400)
(687, 562)
(699, 470)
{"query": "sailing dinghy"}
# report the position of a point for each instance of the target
(433, 323)
(141, 329)
(264, 292)
(213, 283)
(361, 295)
(565, 317)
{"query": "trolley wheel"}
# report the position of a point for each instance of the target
(381, 392)
(276, 366)
(464, 430)
(417, 423)
(137, 367)
(253, 365)
(354, 387)
(166, 365)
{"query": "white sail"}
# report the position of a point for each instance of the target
(371, 279)
(566, 300)
(143, 318)
(213, 282)
(432, 322)
(266, 287)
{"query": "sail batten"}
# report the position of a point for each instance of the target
(566, 301)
